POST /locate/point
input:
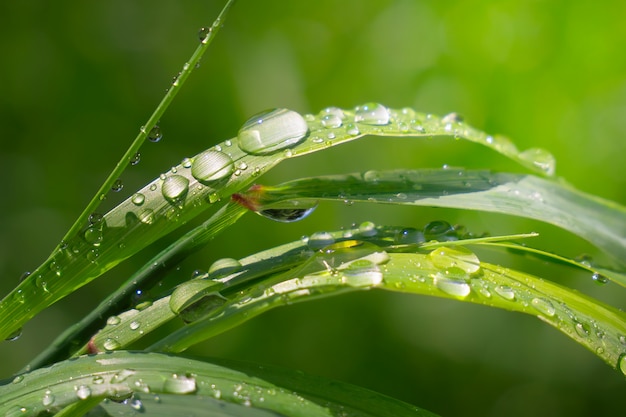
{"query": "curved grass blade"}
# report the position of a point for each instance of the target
(601, 222)
(198, 183)
(200, 297)
(120, 375)
(448, 272)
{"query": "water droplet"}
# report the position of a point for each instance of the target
(453, 281)
(155, 134)
(539, 158)
(114, 321)
(319, 240)
(117, 186)
(409, 236)
(439, 230)
(138, 199)
(331, 121)
(122, 376)
(581, 328)
(195, 299)
(175, 188)
(223, 267)
(460, 257)
(134, 325)
(83, 392)
(95, 218)
(24, 276)
(48, 399)
(452, 118)
(272, 131)
(505, 292)
(41, 282)
(136, 404)
(180, 384)
(19, 296)
(14, 336)
(368, 229)
(135, 159)
(543, 306)
(93, 236)
(622, 363)
(288, 215)
(211, 166)
(599, 278)
(111, 344)
(203, 34)
(352, 129)
(372, 114)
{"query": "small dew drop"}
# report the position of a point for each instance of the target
(543, 306)
(319, 240)
(622, 363)
(372, 114)
(505, 292)
(135, 159)
(95, 218)
(83, 392)
(180, 384)
(138, 199)
(117, 186)
(155, 134)
(453, 281)
(452, 118)
(271, 131)
(368, 229)
(331, 121)
(204, 33)
(134, 325)
(599, 279)
(111, 344)
(439, 230)
(540, 158)
(114, 321)
(581, 329)
(48, 399)
(409, 236)
(14, 336)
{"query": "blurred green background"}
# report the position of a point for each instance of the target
(80, 77)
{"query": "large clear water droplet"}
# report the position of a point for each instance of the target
(195, 299)
(439, 230)
(459, 257)
(211, 166)
(505, 292)
(540, 158)
(48, 399)
(272, 131)
(318, 240)
(543, 306)
(372, 114)
(175, 188)
(180, 384)
(453, 281)
(295, 211)
(223, 267)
